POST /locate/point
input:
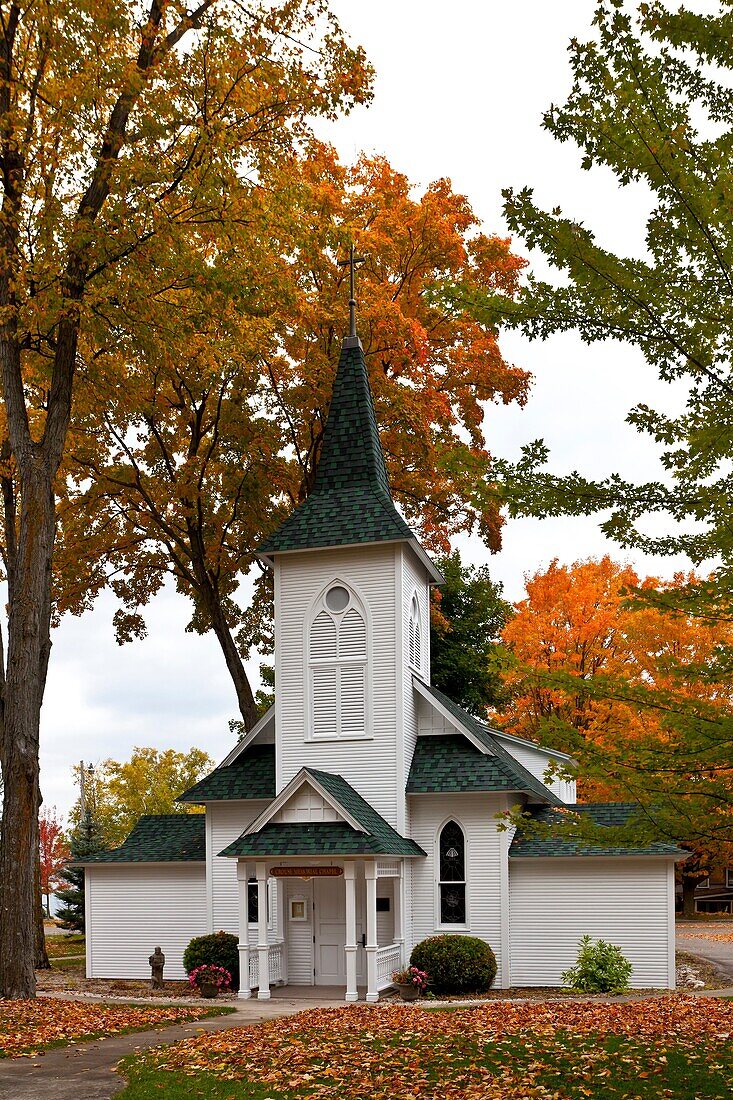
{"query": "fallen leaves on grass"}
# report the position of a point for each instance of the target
(492, 1051)
(28, 1026)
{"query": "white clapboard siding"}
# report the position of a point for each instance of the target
(306, 804)
(485, 854)
(536, 761)
(134, 909)
(553, 902)
(225, 822)
(385, 921)
(414, 584)
(368, 763)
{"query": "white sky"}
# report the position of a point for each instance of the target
(460, 92)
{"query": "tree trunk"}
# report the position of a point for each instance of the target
(29, 623)
(689, 885)
(242, 686)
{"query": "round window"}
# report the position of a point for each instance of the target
(337, 598)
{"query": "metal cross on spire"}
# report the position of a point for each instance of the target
(351, 263)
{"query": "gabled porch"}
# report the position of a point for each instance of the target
(333, 869)
(332, 921)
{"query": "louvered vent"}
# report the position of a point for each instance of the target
(338, 666)
(323, 638)
(325, 709)
(352, 635)
(415, 641)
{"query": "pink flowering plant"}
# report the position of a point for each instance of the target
(411, 976)
(208, 974)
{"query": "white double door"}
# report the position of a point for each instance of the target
(329, 931)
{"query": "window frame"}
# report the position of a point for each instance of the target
(357, 603)
(729, 878)
(439, 924)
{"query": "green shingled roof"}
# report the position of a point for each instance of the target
(601, 813)
(350, 501)
(516, 775)
(451, 763)
(160, 838)
(332, 838)
(252, 775)
(328, 838)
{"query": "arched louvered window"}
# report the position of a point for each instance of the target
(452, 874)
(337, 657)
(415, 635)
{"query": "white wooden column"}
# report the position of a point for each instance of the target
(263, 948)
(398, 931)
(282, 926)
(350, 944)
(370, 874)
(243, 895)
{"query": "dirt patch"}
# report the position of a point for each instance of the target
(708, 972)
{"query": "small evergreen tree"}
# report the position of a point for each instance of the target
(86, 840)
(467, 617)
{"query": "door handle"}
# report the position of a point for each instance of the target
(363, 939)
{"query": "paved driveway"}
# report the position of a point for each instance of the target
(710, 940)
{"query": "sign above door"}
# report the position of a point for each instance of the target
(306, 872)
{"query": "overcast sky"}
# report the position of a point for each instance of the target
(460, 91)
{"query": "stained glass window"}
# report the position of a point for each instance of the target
(452, 881)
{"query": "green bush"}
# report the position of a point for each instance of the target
(216, 949)
(455, 964)
(600, 968)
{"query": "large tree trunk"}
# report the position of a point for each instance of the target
(29, 643)
(689, 885)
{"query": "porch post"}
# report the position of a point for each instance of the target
(281, 929)
(370, 874)
(263, 948)
(399, 900)
(243, 895)
(350, 944)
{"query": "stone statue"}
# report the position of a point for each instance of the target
(157, 962)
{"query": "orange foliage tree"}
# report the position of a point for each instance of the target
(217, 432)
(598, 668)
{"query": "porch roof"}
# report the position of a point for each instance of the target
(322, 838)
(251, 775)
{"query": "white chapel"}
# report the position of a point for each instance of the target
(360, 815)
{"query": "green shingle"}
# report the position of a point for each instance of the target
(252, 775)
(331, 838)
(351, 500)
(453, 764)
(357, 807)
(161, 838)
(516, 775)
(608, 814)
(328, 838)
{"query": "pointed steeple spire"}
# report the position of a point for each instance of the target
(350, 502)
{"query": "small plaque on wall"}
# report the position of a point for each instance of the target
(298, 909)
(383, 905)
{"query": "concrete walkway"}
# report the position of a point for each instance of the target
(698, 938)
(86, 1071)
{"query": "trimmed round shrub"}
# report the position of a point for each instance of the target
(216, 949)
(455, 964)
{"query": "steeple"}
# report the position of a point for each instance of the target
(351, 502)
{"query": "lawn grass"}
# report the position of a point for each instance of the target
(59, 946)
(385, 1055)
(71, 963)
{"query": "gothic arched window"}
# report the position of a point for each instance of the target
(337, 659)
(452, 874)
(415, 636)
